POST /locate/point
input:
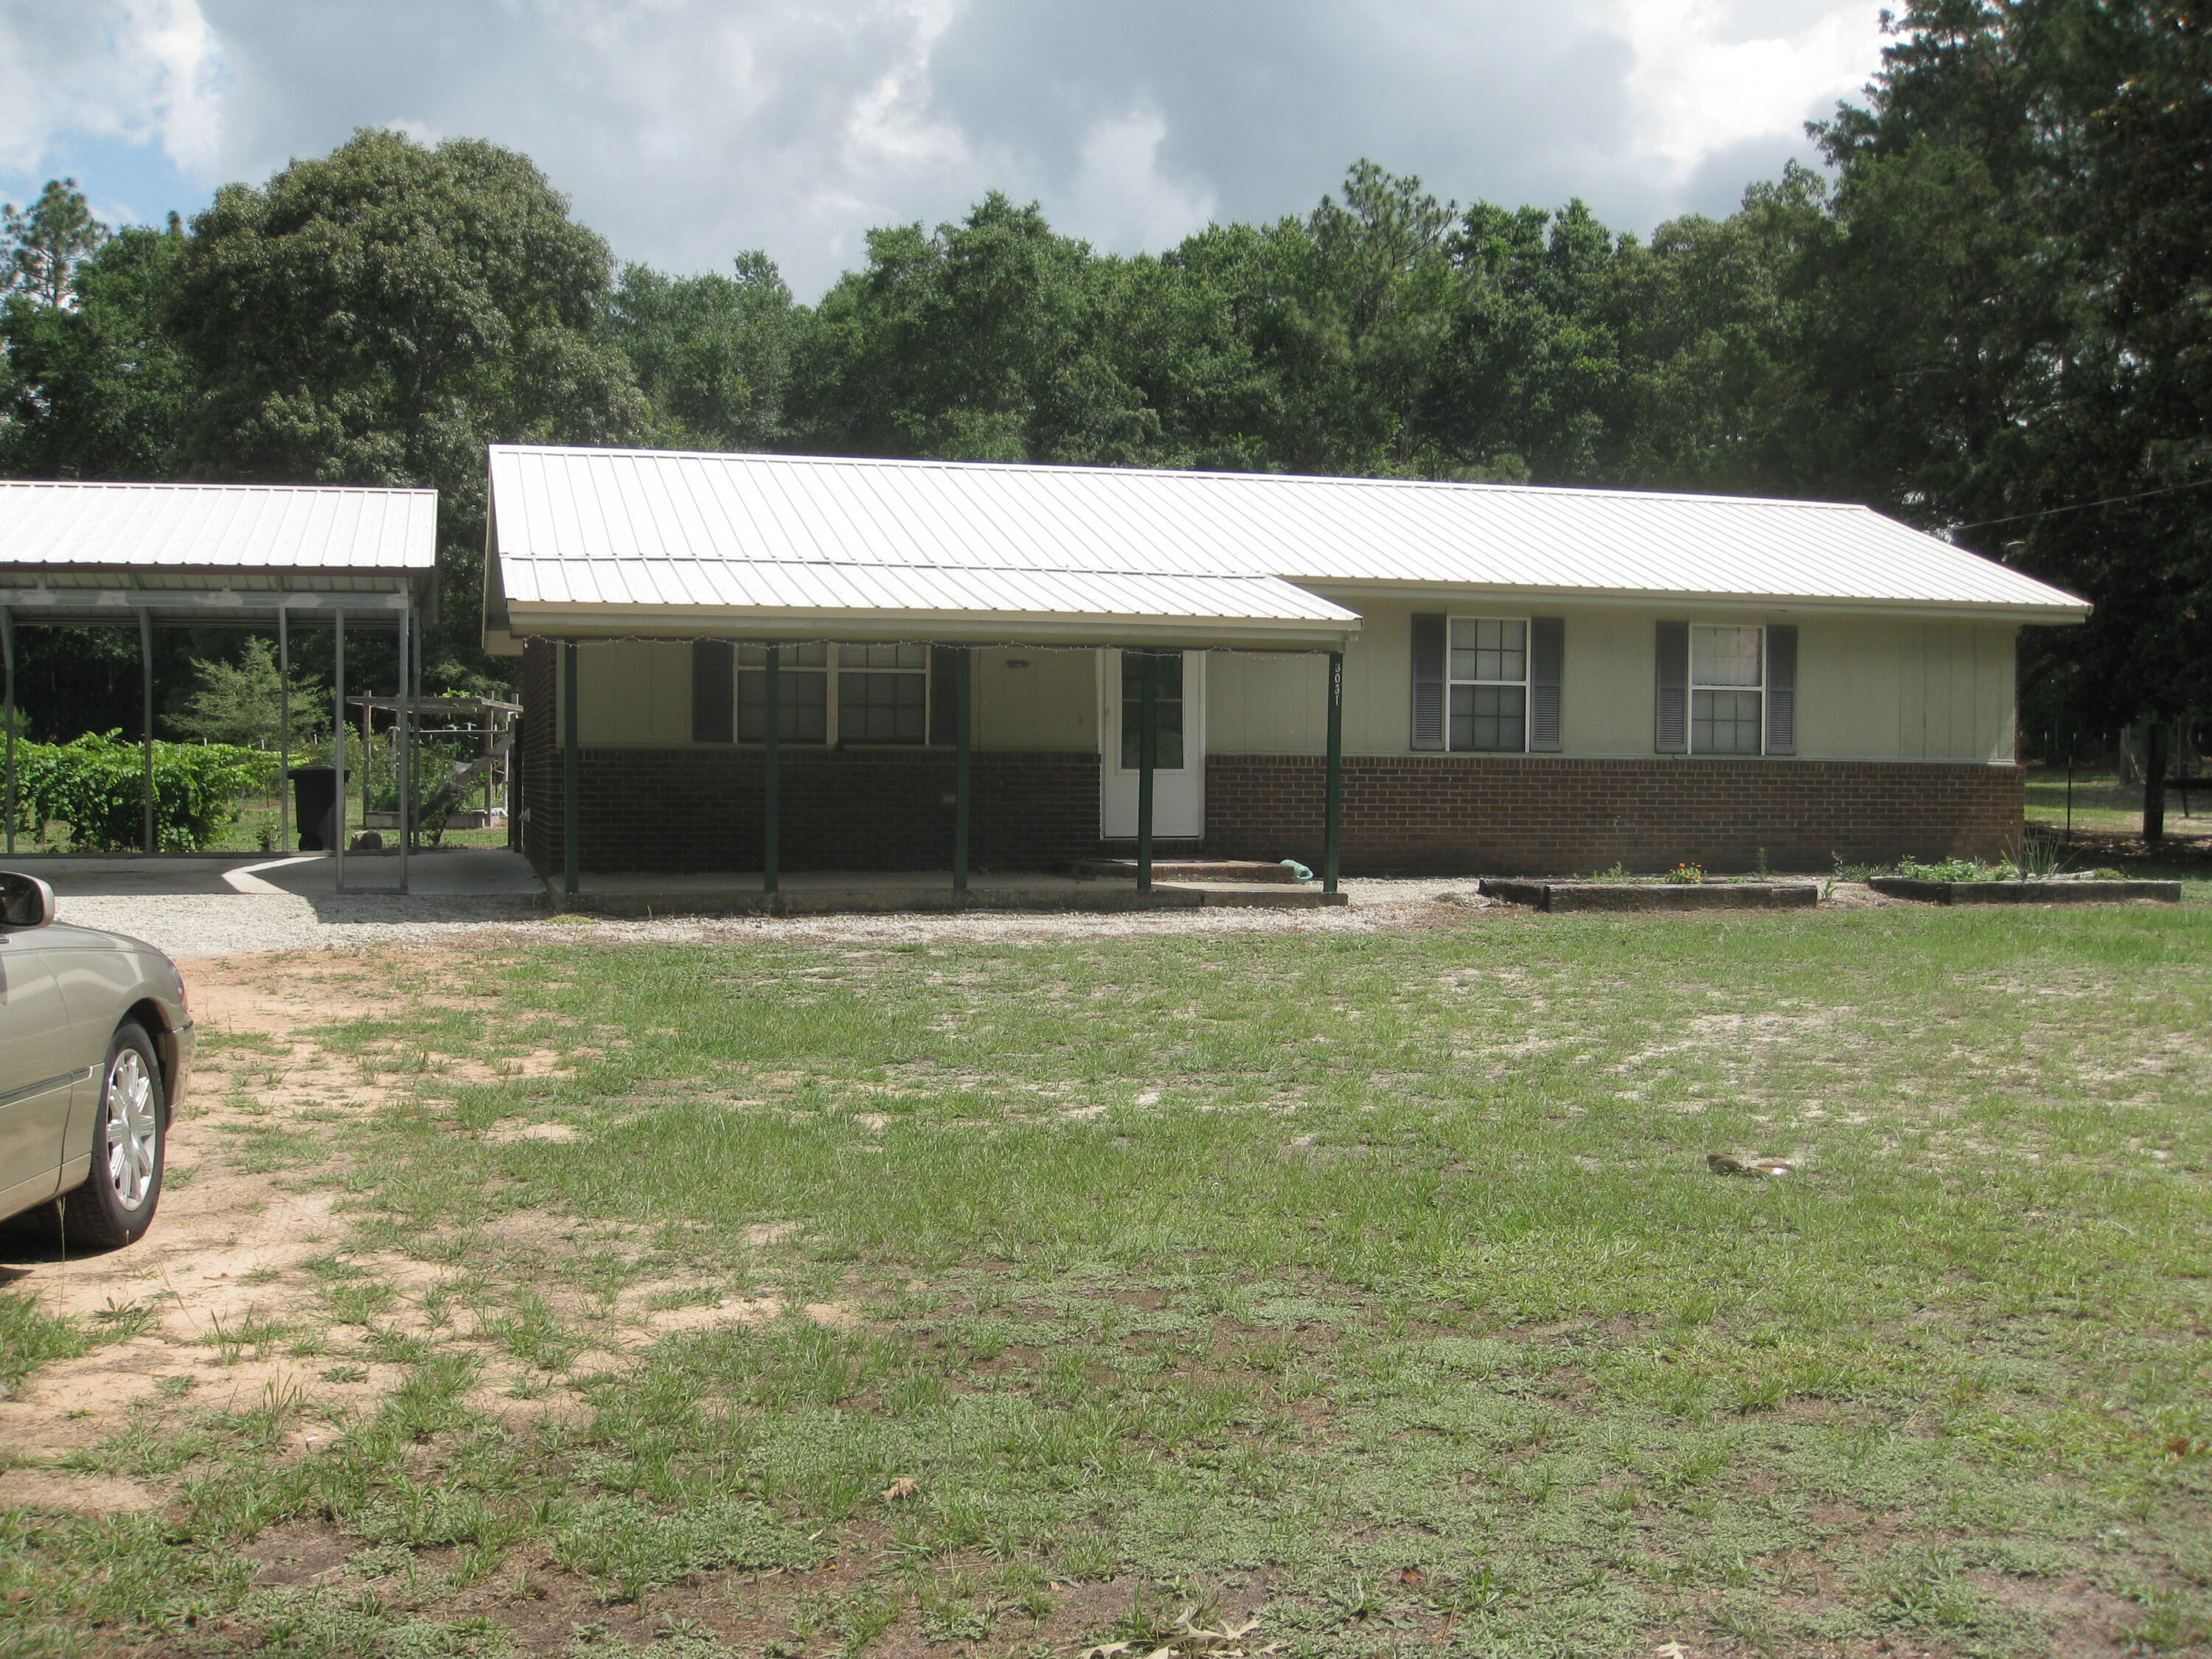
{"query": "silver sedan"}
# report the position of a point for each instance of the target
(95, 1042)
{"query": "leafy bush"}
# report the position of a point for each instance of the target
(96, 785)
(1946, 869)
(1686, 873)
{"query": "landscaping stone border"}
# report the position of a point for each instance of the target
(2026, 892)
(1560, 896)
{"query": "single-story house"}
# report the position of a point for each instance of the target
(1524, 680)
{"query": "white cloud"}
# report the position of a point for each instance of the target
(1707, 77)
(144, 72)
(688, 130)
(1119, 195)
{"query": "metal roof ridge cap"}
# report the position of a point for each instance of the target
(1020, 468)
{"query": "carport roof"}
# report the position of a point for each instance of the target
(90, 552)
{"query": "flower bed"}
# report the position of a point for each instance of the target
(1660, 895)
(2064, 890)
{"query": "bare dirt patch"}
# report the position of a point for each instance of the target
(219, 1276)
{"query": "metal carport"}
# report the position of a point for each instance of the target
(220, 554)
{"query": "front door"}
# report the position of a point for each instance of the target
(1179, 776)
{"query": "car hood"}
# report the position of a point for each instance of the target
(69, 936)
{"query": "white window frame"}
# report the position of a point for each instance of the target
(1452, 682)
(838, 669)
(1690, 713)
(785, 669)
(831, 668)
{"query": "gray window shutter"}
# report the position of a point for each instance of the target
(1428, 681)
(944, 694)
(713, 692)
(1547, 651)
(1671, 732)
(1781, 690)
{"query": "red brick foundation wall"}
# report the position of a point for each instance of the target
(1461, 815)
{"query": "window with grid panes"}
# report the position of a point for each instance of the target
(1489, 684)
(883, 693)
(1728, 690)
(802, 693)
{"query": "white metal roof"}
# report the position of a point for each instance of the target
(218, 526)
(661, 531)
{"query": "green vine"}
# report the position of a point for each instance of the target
(96, 785)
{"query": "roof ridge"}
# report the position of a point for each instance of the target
(900, 462)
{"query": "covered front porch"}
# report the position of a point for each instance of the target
(770, 818)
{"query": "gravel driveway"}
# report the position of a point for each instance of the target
(191, 910)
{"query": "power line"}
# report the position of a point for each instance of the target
(2079, 507)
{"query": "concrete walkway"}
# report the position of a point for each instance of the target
(461, 872)
(876, 892)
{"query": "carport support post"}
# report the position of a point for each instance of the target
(572, 778)
(1148, 756)
(8, 650)
(962, 685)
(405, 742)
(284, 734)
(146, 715)
(772, 768)
(1333, 779)
(338, 745)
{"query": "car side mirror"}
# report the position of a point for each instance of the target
(25, 901)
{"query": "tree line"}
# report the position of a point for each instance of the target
(1989, 312)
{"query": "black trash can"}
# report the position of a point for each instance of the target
(314, 806)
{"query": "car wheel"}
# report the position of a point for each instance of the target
(129, 1141)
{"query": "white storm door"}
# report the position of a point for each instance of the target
(1179, 778)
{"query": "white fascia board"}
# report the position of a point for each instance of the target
(969, 628)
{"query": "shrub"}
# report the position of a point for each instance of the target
(96, 785)
(1686, 872)
(1946, 869)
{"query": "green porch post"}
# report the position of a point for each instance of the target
(772, 770)
(8, 645)
(146, 683)
(1148, 757)
(1333, 782)
(572, 777)
(962, 685)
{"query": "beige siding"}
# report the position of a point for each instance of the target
(636, 694)
(1867, 689)
(1052, 702)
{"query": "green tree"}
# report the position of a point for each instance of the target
(379, 314)
(980, 341)
(2016, 322)
(96, 388)
(242, 704)
(713, 354)
(42, 245)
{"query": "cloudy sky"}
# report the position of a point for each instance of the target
(688, 130)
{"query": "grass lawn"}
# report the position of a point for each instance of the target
(932, 1299)
(2104, 805)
